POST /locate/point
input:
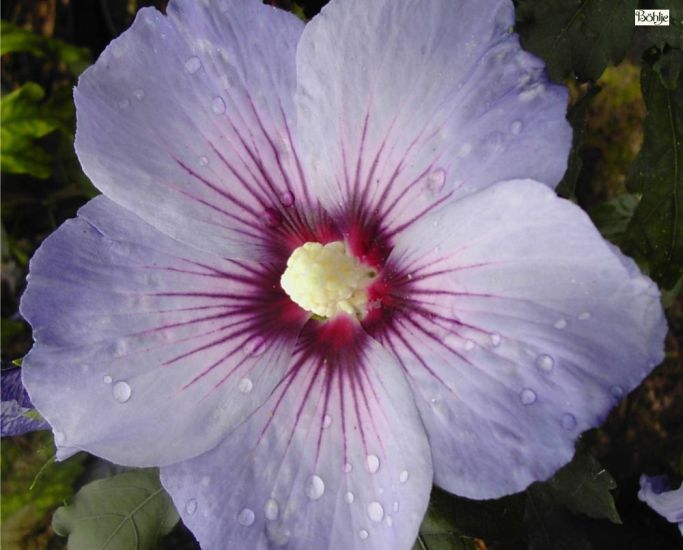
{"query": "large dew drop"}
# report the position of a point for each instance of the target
(191, 507)
(121, 391)
(218, 105)
(372, 462)
(246, 517)
(245, 385)
(568, 421)
(271, 509)
(256, 346)
(315, 488)
(545, 362)
(375, 511)
(192, 65)
(527, 396)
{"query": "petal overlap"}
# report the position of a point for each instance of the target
(337, 458)
(185, 120)
(519, 328)
(405, 106)
(159, 345)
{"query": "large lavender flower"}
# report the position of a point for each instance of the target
(452, 329)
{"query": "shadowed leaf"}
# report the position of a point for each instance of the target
(655, 233)
(129, 511)
(580, 37)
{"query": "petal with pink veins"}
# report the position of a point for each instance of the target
(185, 120)
(337, 458)
(147, 351)
(519, 327)
(406, 106)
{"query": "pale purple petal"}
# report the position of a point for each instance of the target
(148, 351)
(667, 502)
(336, 459)
(403, 106)
(520, 327)
(15, 416)
(184, 120)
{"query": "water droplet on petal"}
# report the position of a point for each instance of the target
(192, 65)
(495, 339)
(568, 421)
(120, 348)
(124, 103)
(403, 476)
(245, 385)
(347, 468)
(191, 506)
(139, 94)
(60, 438)
(373, 463)
(527, 396)
(389, 521)
(617, 391)
(287, 199)
(315, 487)
(203, 161)
(272, 217)
(545, 362)
(278, 535)
(396, 506)
(516, 127)
(375, 511)
(584, 315)
(256, 346)
(246, 517)
(560, 324)
(121, 391)
(349, 497)
(435, 181)
(107, 379)
(218, 105)
(271, 509)
(469, 345)
(327, 420)
(363, 534)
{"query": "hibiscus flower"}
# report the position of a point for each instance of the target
(328, 269)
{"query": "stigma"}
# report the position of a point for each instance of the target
(326, 280)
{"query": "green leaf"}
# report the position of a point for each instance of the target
(583, 486)
(25, 117)
(577, 118)
(612, 217)
(548, 523)
(654, 234)
(672, 34)
(129, 511)
(16, 39)
(580, 37)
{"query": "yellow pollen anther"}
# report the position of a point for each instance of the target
(327, 280)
